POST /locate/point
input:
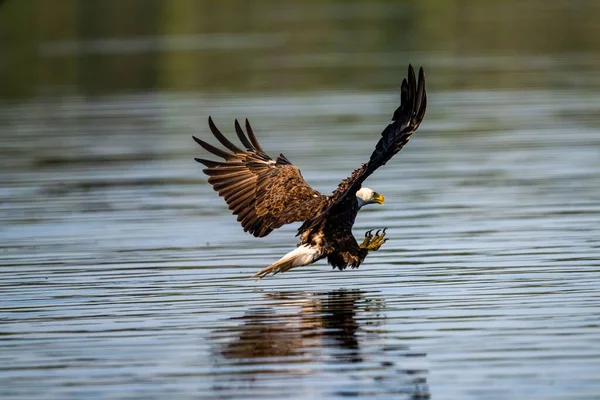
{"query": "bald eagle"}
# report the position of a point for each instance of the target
(267, 193)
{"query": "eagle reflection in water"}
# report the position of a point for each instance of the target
(298, 334)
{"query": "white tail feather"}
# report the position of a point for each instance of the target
(301, 255)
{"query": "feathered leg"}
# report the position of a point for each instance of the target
(302, 255)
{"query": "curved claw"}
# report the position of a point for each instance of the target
(377, 233)
(367, 233)
(384, 229)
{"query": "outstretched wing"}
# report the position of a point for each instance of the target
(405, 121)
(264, 193)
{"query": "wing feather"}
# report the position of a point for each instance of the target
(243, 194)
(233, 184)
(224, 170)
(240, 203)
(208, 163)
(221, 138)
(264, 193)
(252, 137)
(210, 148)
(223, 173)
(242, 137)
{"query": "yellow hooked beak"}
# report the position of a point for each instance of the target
(377, 198)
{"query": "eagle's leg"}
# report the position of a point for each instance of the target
(373, 242)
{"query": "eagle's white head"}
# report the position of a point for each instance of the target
(367, 196)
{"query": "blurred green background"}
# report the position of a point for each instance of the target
(90, 47)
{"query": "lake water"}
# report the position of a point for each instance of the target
(125, 276)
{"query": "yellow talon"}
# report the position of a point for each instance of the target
(373, 242)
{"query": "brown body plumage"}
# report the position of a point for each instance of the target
(266, 194)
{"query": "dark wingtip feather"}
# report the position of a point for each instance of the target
(209, 147)
(404, 98)
(412, 88)
(242, 136)
(421, 100)
(221, 138)
(412, 96)
(208, 163)
(423, 108)
(252, 136)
